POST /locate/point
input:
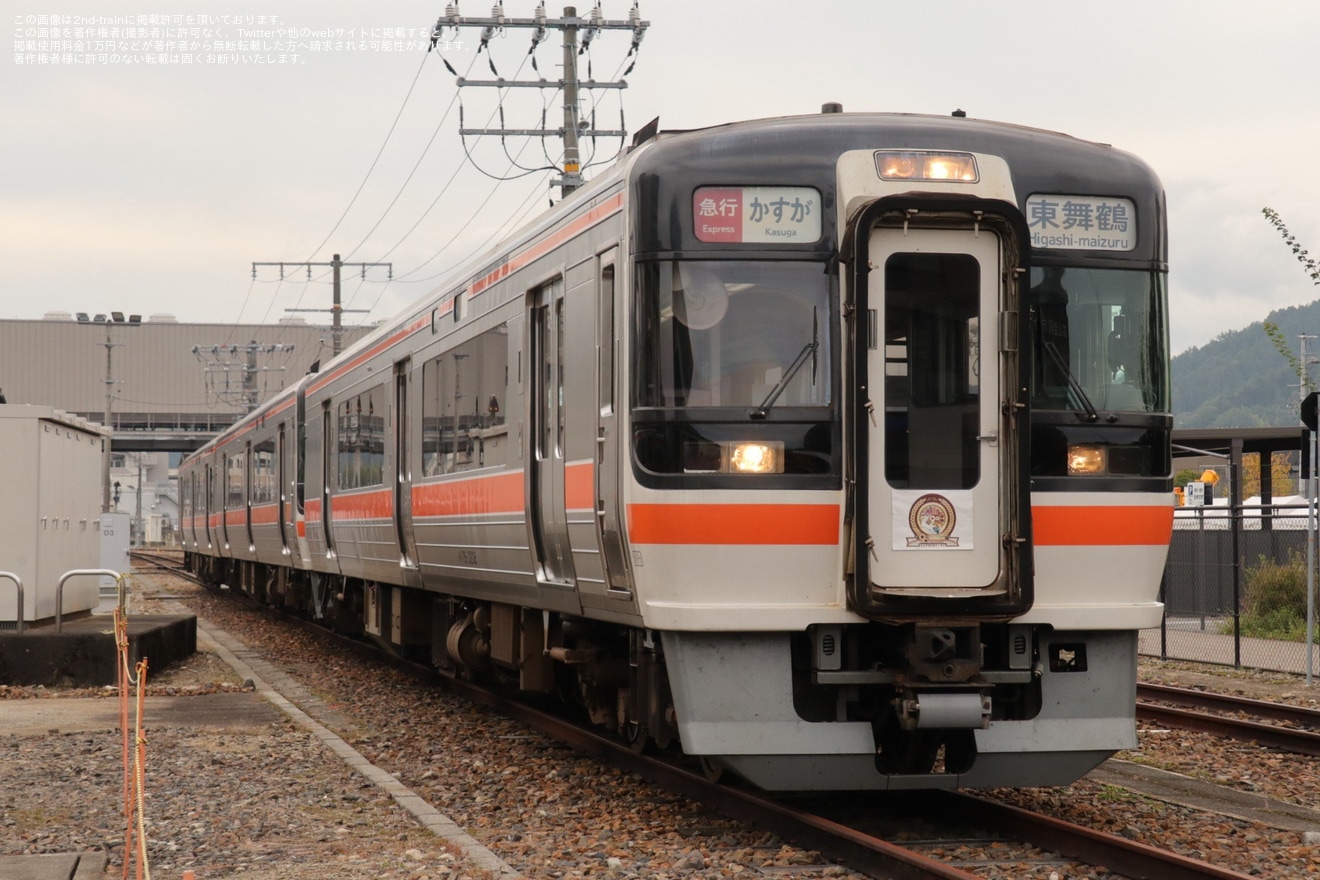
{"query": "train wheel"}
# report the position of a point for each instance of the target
(959, 751)
(713, 768)
(637, 737)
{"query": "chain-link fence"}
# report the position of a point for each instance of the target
(1234, 589)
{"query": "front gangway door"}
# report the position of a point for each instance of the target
(937, 520)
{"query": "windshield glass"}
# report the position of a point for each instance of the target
(1101, 340)
(731, 333)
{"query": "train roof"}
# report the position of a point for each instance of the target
(805, 150)
(802, 149)
(820, 138)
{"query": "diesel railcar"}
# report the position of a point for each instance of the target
(833, 448)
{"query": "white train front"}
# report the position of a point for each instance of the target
(833, 448)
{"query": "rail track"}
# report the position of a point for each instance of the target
(163, 560)
(837, 828)
(1298, 731)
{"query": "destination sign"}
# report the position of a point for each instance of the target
(756, 214)
(1083, 223)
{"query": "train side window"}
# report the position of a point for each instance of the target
(489, 431)
(263, 472)
(605, 339)
(464, 392)
(302, 458)
(435, 379)
(361, 439)
(234, 471)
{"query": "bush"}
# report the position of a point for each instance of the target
(1185, 476)
(1274, 604)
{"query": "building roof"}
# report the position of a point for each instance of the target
(163, 374)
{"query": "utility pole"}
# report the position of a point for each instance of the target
(572, 178)
(1304, 377)
(336, 310)
(138, 513)
(109, 398)
(578, 34)
(225, 362)
(109, 321)
(1312, 498)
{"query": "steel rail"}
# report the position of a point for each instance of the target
(855, 848)
(1286, 739)
(1228, 703)
(1297, 741)
(1120, 855)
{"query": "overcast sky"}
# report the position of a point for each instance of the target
(153, 187)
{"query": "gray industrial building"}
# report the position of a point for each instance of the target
(162, 376)
(167, 387)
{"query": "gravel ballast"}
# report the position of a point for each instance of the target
(272, 800)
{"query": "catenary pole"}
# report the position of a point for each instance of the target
(336, 308)
(577, 32)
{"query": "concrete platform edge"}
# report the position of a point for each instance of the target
(53, 866)
(429, 817)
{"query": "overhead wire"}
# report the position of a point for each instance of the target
(488, 33)
(404, 276)
(374, 161)
(552, 164)
(239, 320)
(430, 142)
(634, 15)
(527, 200)
(439, 195)
(443, 248)
(358, 192)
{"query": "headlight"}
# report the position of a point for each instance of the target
(734, 457)
(754, 457)
(1086, 459)
(924, 165)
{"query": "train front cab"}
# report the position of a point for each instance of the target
(993, 653)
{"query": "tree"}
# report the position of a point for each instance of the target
(1303, 255)
(1312, 269)
(1281, 474)
(1285, 348)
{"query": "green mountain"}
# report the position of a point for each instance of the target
(1239, 380)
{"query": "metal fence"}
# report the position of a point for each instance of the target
(1206, 586)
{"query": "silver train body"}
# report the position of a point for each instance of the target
(834, 449)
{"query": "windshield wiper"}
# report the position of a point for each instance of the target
(1053, 351)
(809, 349)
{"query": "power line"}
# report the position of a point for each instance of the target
(337, 309)
(374, 161)
(224, 362)
(578, 34)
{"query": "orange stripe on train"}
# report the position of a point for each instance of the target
(1101, 526)
(500, 493)
(733, 523)
(363, 505)
(819, 524)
